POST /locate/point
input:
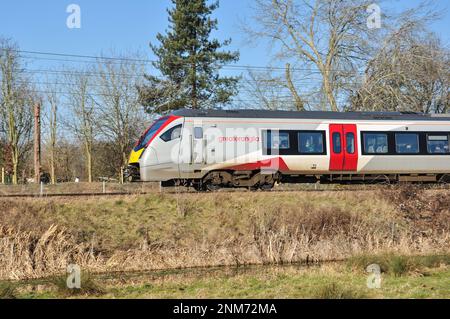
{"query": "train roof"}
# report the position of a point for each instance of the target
(402, 116)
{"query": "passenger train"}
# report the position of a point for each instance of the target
(212, 149)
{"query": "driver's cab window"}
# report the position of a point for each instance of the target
(172, 134)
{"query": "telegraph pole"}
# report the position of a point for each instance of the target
(37, 142)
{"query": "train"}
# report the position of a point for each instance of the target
(257, 149)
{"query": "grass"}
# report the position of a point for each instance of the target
(337, 291)
(159, 231)
(333, 281)
(7, 290)
(398, 265)
(406, 232)
(89, 287)
(78, 188)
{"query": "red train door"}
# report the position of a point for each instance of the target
(343, 147)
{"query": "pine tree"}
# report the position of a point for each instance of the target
(189, 62)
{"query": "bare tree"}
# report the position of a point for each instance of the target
(120, 115)
(299, 104)
(83, 119)
(52, 117)
(326, 36)
(17, 99)
(411, 72)
(264, 90)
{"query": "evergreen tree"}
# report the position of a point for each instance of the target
(189, 62)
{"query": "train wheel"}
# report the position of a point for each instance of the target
(267, 186)
(212, 187)
(445, 179)
(198, 187)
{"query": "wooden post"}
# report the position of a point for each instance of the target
(3, 175)
(37, 142)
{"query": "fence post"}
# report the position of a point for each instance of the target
(3, 175)
(104, 187)
(41, 191)
(121, 175)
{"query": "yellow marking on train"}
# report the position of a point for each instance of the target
(135, 155)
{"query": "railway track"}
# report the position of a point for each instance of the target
(191, 192)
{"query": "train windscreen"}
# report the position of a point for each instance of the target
(149, 134)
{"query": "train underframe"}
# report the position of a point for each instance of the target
(131, 173)
(255, 180)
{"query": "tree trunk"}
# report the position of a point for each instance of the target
(88, 148)
(297, 99)
(124, 162)
(52, 167)
(194, 86)
(15, 163)
(53, 126)
(329, 92)
(37, 143)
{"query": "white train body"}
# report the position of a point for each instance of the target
(255, 148)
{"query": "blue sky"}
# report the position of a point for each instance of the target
(130, 25)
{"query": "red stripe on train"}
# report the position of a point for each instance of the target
(275, 164)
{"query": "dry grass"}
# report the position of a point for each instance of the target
(79, 188)
(163, 231)
(24, 255)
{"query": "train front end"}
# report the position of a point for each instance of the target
(132, 173)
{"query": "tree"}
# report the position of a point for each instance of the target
(189, 62)
(328, 37)
(53, 101)
(267, 91)
(120, 116)
(16, 106)
(411, 72)
(83, 122)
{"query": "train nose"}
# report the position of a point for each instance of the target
(147, 163)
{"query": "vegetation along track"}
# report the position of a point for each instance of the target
(364, 188)
(191, 230)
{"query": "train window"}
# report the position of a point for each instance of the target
(172, 134)
(350, 141)
(279, 140)
(438, 144)
(337, 147)
(147, 137)
(407, 143)
(310, 143)
(198, 132)
(376, 143)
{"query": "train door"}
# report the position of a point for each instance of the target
(192, 147)
(343, 147)
(198, 143)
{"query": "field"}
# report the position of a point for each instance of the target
(297, 244)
